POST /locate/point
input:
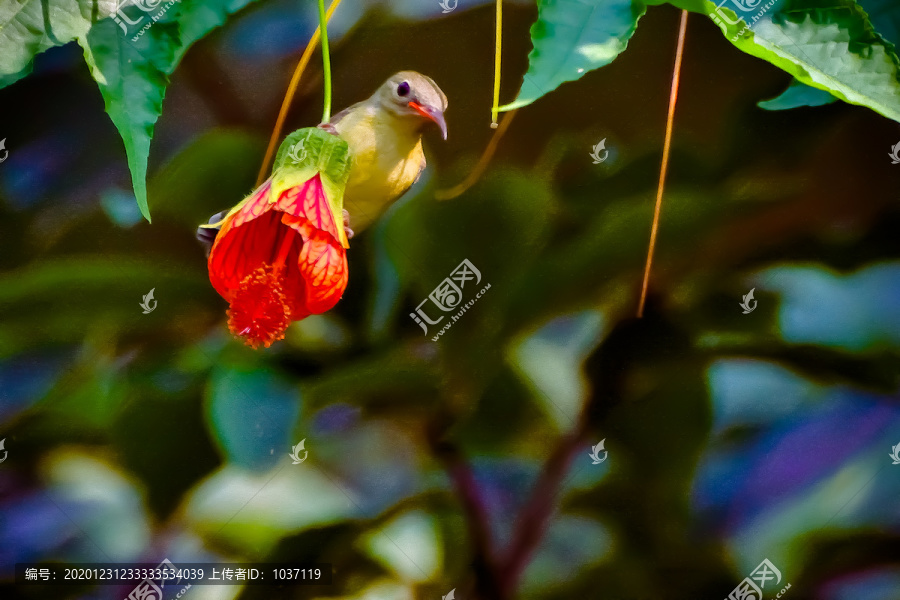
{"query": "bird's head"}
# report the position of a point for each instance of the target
(414, 97)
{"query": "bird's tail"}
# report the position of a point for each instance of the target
(207, 235)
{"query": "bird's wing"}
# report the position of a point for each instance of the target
(337, 117)
(419, 174)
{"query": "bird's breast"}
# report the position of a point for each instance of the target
(386, 162)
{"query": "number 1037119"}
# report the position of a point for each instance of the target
(298, 574)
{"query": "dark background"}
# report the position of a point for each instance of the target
(731, 438)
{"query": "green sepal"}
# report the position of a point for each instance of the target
(306, 152)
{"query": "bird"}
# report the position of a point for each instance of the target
(384, 136)
(384, 133)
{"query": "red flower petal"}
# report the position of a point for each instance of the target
(241, 250)
(256, 205)
(243, 242)
(277, 262)
(309, 202)
(323, 264)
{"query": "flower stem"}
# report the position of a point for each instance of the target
(288, 99)
(326, 62)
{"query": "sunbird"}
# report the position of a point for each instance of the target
(384, 133)
(280, 254)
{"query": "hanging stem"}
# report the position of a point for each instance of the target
(326, 62)
(535, 516)
(289, 98)
(482, 164)
(498, 42)
(673, 98)
(472, 500)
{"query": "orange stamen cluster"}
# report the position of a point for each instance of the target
(259, 312)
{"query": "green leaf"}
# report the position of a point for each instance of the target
(28, 27)
(797, 94)
(550, 359)
(135, 73)
(248, 509)
(412, 534)
(252, 412)
(130, 58)
(885, 18)
(827, 44)
(132, 76)
(572, 37)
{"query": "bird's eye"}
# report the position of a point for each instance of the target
(403, 89)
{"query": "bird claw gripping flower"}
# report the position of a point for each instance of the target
(281, 254)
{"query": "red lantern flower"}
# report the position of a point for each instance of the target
(279, 259)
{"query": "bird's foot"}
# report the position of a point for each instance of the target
(347, 229)
(329, 128)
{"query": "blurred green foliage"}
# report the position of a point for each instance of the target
(731, 437)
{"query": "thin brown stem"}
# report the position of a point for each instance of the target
(487, 581)
(534, 518)
(289, 97)
(673, 99)
(476, 173)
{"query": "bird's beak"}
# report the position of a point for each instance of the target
(431, 113)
